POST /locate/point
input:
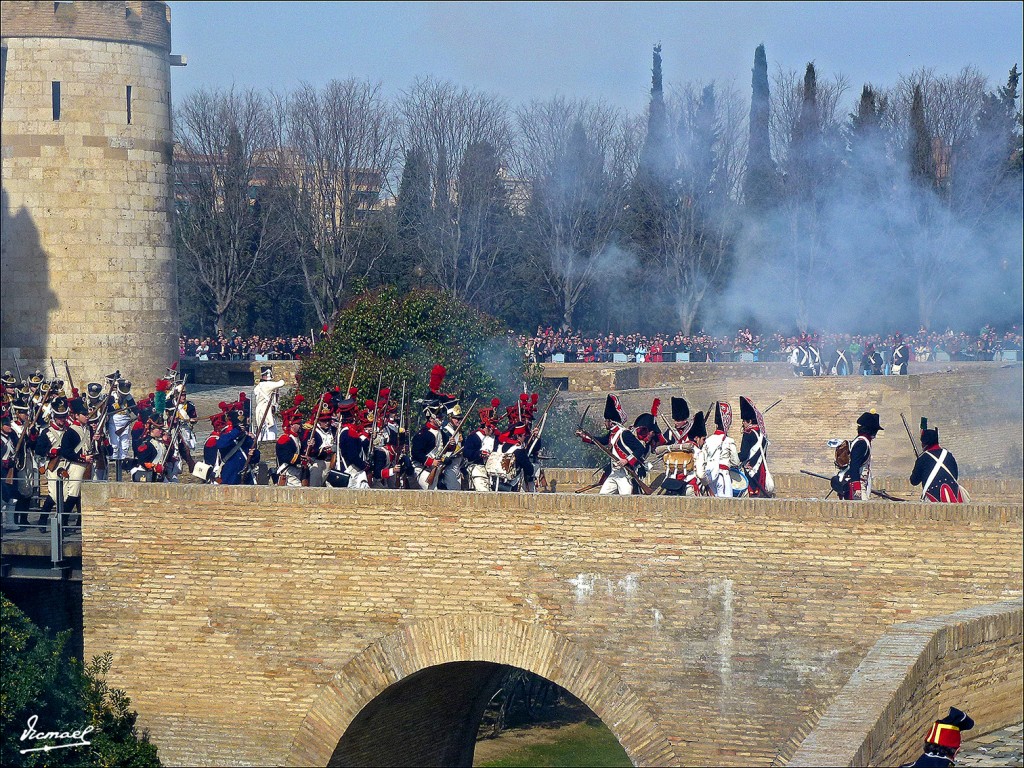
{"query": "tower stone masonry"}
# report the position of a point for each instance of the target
(87, 243)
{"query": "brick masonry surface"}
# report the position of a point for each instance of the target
(971, 659)
(253, 625)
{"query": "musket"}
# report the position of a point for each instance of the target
(592, 486)
(913, 445)
(352, 378)
(771, 406)
(880, 494)
(309, 441)
(53, 367)
(70, 384)
(17, 365)
(644, 488)
(373, 426)
(543, 419)
(255, 444)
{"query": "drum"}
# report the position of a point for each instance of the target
(679, 462)
(740, 483)
(493, 465)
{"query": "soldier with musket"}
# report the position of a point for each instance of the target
(290, 446)
(753, 451)
(77, 452)
(625, 447)
(936, 470)
(479, 446)
(237, 450)
(518, 471)
(47, 448)
(22, 473)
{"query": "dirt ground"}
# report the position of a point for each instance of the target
(515, 739)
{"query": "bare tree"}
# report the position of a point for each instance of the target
(465, 136)
(344, 137)
(223, 178)
(577, 156)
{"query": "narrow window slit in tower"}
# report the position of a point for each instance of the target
(128, 99)
(56, 99)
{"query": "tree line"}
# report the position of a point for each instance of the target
(796, 207)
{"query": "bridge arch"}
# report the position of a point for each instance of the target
(478, 639)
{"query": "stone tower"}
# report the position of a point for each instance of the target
(88, 270)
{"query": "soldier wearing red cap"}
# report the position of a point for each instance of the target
(479, 445)
(721, 453)
(151, 452)
(943, 741)
(290, 446)
(353, 451)
(321, 441)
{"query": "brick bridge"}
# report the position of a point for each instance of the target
(313, 627)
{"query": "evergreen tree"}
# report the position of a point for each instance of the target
(413, 221)
(656, 156)
(760, 181)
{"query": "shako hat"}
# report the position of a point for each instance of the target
(946, 732)
(613, 410)
(59, 407)
(723, 416)
(680, 409)
(8, 379)
(930, 436)
(93, 389)
(868, 423)
(124, 386)
(266, 373)
(488, 413)
(36, 378)
(78, 407)
(699, 427)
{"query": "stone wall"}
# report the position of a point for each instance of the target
(970, 659)
(252, 625)
(977, 408)
(87, 248)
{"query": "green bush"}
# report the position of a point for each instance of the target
(38, 679)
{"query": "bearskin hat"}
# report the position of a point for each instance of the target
(644, 421)
(747, 410)
(868, 423)
(680, 409)
(699, 427)
(723, 416)
(613, 410)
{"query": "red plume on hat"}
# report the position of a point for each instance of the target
(534, 398)
(299, 400)
(352, 392)
(495, 402)
(655, 406)
(437, 374)
(162, 385)
(174, 365)
(524, 398)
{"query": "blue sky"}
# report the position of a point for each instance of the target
(531, 50)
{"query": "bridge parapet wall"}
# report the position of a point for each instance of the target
(230, 611)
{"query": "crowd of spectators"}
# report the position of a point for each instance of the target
(234, 346)
(548, 344)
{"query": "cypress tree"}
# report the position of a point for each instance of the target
(655, 157)
(759, 182)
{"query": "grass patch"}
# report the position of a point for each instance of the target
(589, 743)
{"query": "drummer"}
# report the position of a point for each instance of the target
(683, 454)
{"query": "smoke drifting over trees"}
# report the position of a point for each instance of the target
(804, 204)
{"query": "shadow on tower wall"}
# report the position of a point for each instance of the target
(26, 298)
